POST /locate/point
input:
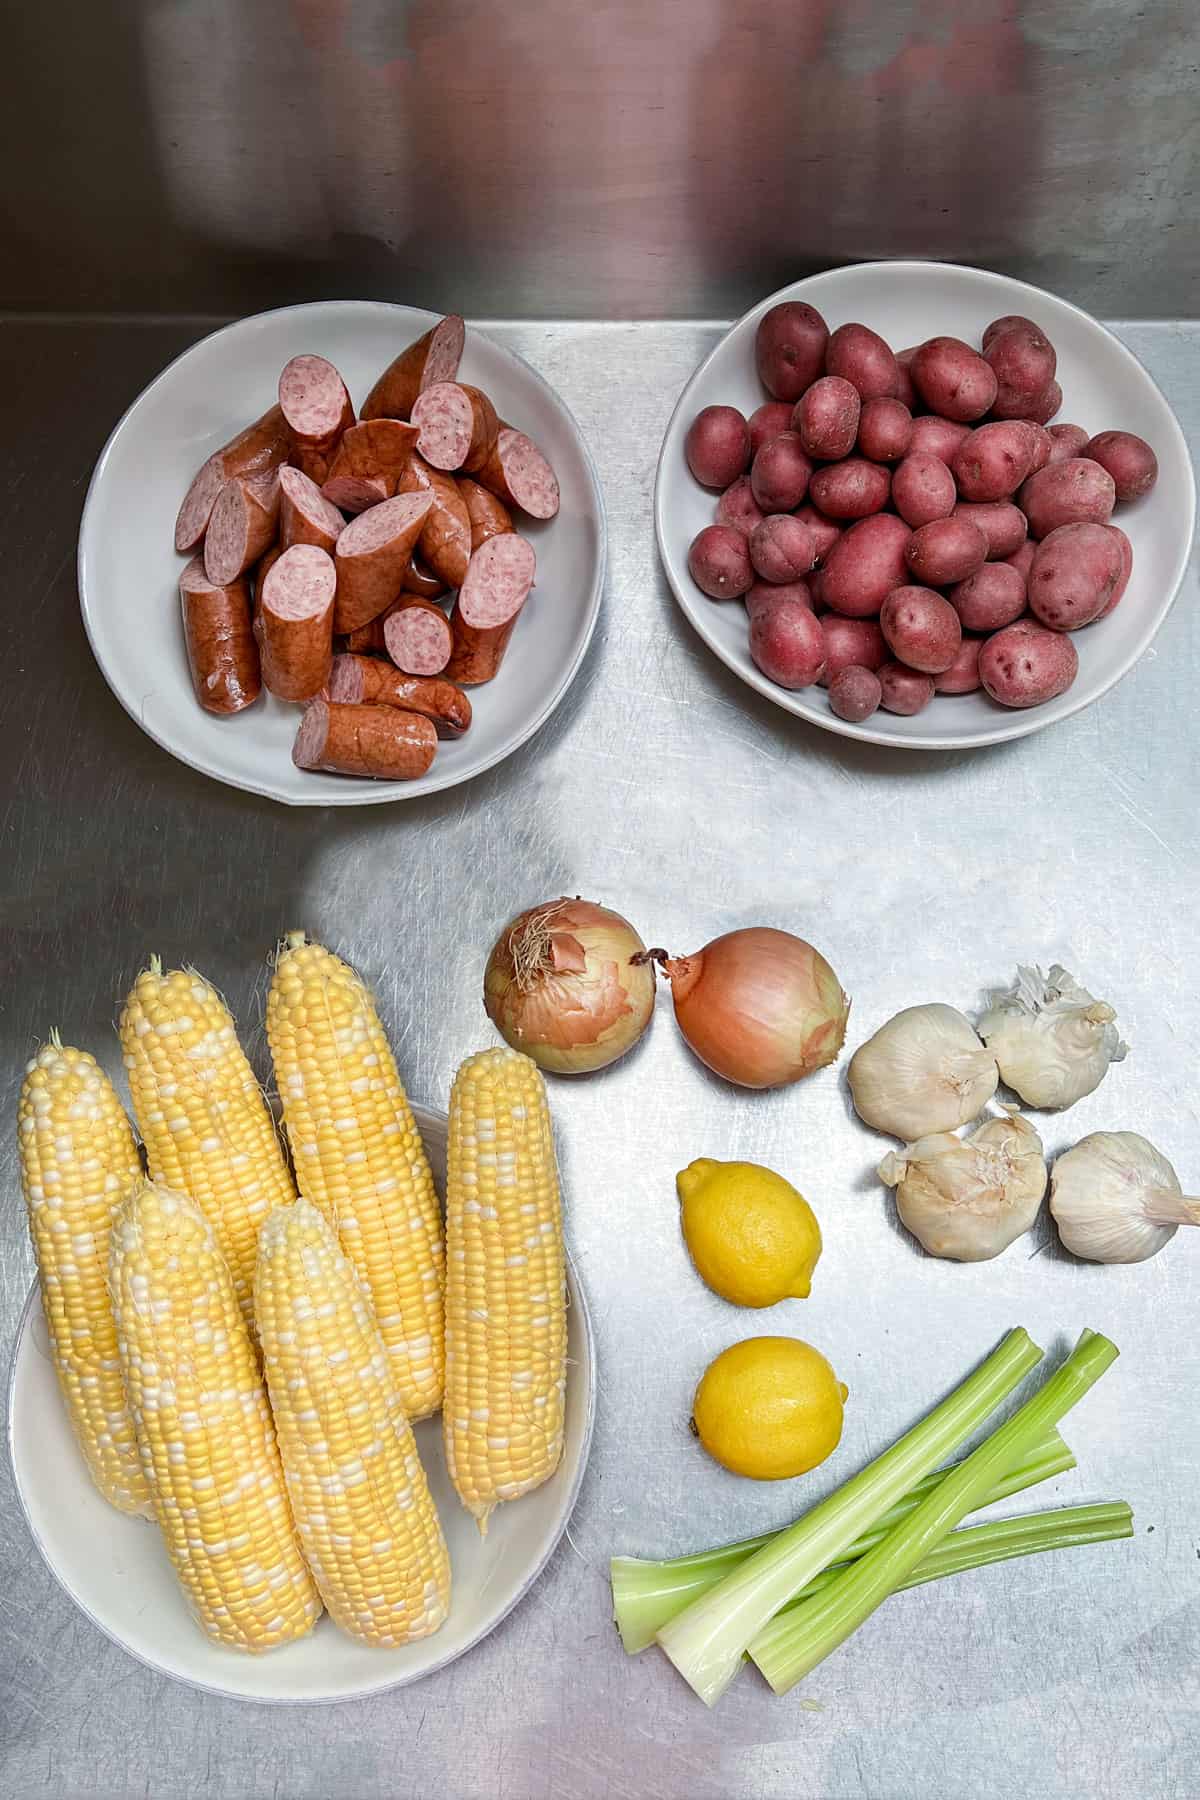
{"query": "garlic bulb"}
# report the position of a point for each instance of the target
(1115, 1199)
(925, 1070)
(1053, 1040)
(968, 1198)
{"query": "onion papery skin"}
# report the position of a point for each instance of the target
(759, 1007)
(562, 986)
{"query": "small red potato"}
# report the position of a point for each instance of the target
(923, 489)
(992, 463)
(853, 489)
(1041, 443)
(781, 548)
(1128, 459)
(719, 562)
(1075, 492)
(826, 418)
(1023, 361)
(945, 551)
(863, 567)
(1074, 575)
(884, 429)
(932, 436)
(952, 379)
(1008, 322)
(1048, 402)
(1126, 568)
(1066, 441)
(1026, 665)
(904, 390)
(993, 596)
(1002, 524)
(922, 630)
(738, 507)
(767, 421)
(1022, 557)
(780, 473)
(962, 677)
(851, 642)
(786, 644)
(863, 359)
(789, 348)
(826, 532)
(776, 593)
(717, 445)
(903, 690)
(855, 693)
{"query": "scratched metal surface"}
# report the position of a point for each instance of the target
(666, 788)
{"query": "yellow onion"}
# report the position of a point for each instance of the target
(760, 1007)
(567, 983)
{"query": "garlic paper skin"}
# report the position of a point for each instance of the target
(1053, 1040)
(968, 1198)
(1116, 1199)
(924, 1071)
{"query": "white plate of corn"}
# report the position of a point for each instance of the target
(293, 1538)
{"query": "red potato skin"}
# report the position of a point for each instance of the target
(1128, 459)
(1002, 524)
(719, 562)
(863, 567)
(826, 532)
(921, 629)
(1066, 442)
(826, 418)
(934, 436)
(365, 680)
(789, 348)
(854, 694)
(257, 450)
(884, 429)
(923, 489)
(861, 357)
(781, 548)
(946, 551)
(853, 489)
(851, 643)
(1075, 492)
(1126, 549)
(767, 421)
(1048, 402)
(1021, 558)
(1026, 665)
(962, 677)
(1040, 442)
(434, 357)
(992, 597)
(717, 446)
(381, 742)
(904, 390)
(1074, 574)
(902, 690)
(780, 475)
(765, 594)
(221, 649)
(738, 508)
(1023, 361)
(953, 380)
(787, 645)
(1007, 322)
(992, 463)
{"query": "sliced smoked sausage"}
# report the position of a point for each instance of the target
(368, 464)
(221, 651)
(295, 622)
(372, 556)
(379, 741)
(434, 357)
(445, 542)
(488, 606)
(517, 473)
(257, 450)
(243, 525)
(417, 636)
(305, 516)
(489, 516)
(355, 679)
(458, 426)
(316, 406)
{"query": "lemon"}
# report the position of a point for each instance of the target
(769, 1407)
(752, 1237)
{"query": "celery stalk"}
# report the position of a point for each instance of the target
(706, 1640)
(647, 1593)
(998, 1540)
(787, 1649)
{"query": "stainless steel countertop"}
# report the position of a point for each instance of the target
(665, 787)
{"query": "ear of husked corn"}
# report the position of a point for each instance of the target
(204, 1426)
(359, 1496)
(78, 1161)
(358, 1155)
(506, 1327)
(206, 1127)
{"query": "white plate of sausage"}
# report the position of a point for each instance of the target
(247, 638)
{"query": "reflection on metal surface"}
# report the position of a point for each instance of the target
(665, 787)
(575, 158)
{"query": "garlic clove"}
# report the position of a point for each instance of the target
(1052, 1040)
(969, 1198)
(924, 1071)
(1116, 1199)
